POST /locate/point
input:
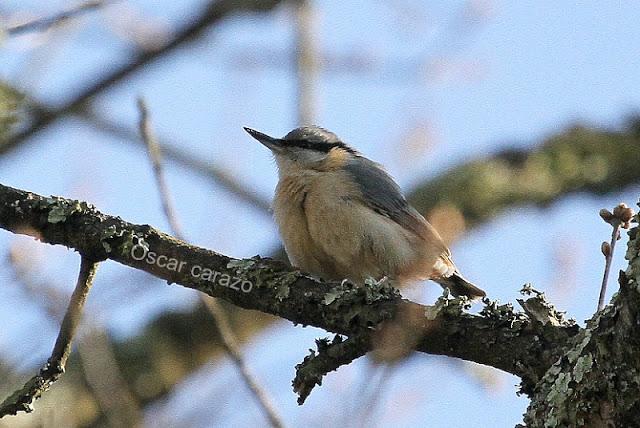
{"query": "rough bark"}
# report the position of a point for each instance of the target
(596, 383)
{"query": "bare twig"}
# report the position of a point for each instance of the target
(51, 21)
(620, 218)
(22, 400)
(95, 350)
(608, 257)
(153, 149)
(216, 174)
(370, 402)
(230, 346)
(227, 337)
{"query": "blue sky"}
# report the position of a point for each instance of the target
(509, 73)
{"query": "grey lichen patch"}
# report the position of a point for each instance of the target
(120, 242)
(372, 291)
(60, 209)
(331, 296)
(583, 365)
(125, 240)
(560, 388)
(379, 290)
(351, 304)
(539, 309)
(495, 311)
(447, 304)
(584, 340)
(241, 265)
(264, 274)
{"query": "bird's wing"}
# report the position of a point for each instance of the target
(384, 196)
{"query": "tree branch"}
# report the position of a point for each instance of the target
(501, 338)
(331, 355)
(208, 170)
(22, 400)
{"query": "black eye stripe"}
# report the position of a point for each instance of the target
(320, 147)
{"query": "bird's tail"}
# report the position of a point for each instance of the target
(459, 286)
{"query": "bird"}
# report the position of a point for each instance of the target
(341, 216)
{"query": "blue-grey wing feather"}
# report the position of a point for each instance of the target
(384, 196)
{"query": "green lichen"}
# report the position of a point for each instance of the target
(540, 310)
(331, 296)
(582, 366)
(263, 274)
(60, 209)
(241, 265)
(447, 304)
(560, 388)
(379, 290)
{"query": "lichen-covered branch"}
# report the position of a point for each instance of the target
(330, 356)
(580, 159)
(500, 337)
(596, 382)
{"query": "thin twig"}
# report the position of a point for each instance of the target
(621, 217)
(153, 149)
(95, 350)
(51, 21)
(22, 399)
(168, 147)
(608, 257)
(227, 337)
(103, 375)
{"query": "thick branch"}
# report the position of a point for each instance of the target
(502, 339)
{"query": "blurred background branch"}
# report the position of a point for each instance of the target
(46, 23)
(579, 159)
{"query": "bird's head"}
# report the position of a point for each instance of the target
(306, 148)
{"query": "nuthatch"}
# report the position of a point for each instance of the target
(341, 216)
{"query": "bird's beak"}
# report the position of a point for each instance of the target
(273, 144)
